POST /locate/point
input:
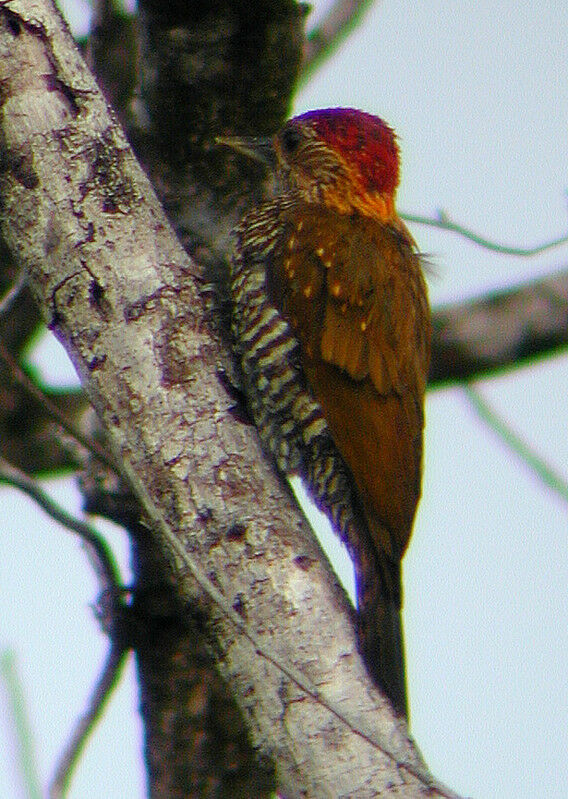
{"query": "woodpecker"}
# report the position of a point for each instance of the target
(331, 329)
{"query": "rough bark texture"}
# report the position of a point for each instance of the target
(501, 329)
(118, 290)
(196, 740)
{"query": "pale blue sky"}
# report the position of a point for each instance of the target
(478, 94)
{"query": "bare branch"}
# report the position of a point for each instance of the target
(22, 729)
(341, 19)
(443, 222)
(99, 554)
(91, 444)
(500, 329)
(120, 293)
(108, 679)
(303, 682)
(544, 472)
(112, 615)
(12, 293)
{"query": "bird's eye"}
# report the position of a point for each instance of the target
(290, 140)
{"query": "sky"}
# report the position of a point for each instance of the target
(478, 95)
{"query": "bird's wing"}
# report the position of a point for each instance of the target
(374, 313)
(353, 289)
(353, 294)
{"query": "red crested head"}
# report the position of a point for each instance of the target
(365, 142)
(345, 158)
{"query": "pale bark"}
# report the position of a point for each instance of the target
(117, 289)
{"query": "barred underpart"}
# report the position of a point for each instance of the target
(289, 421)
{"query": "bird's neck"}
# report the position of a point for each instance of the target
(372, 204)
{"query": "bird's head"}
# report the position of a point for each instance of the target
(340, 157)
(343, 158)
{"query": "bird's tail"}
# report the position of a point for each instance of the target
(380, 629)
(378, 579)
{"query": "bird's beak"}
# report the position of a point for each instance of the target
(259, 148)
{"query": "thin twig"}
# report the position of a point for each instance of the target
(530, 458)
(443, 222)
(52, 410)
(108, 576)
(158, 520)
(338, 23)
(99, 553)
(84, 726)
(22, 728)
(12, 293)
